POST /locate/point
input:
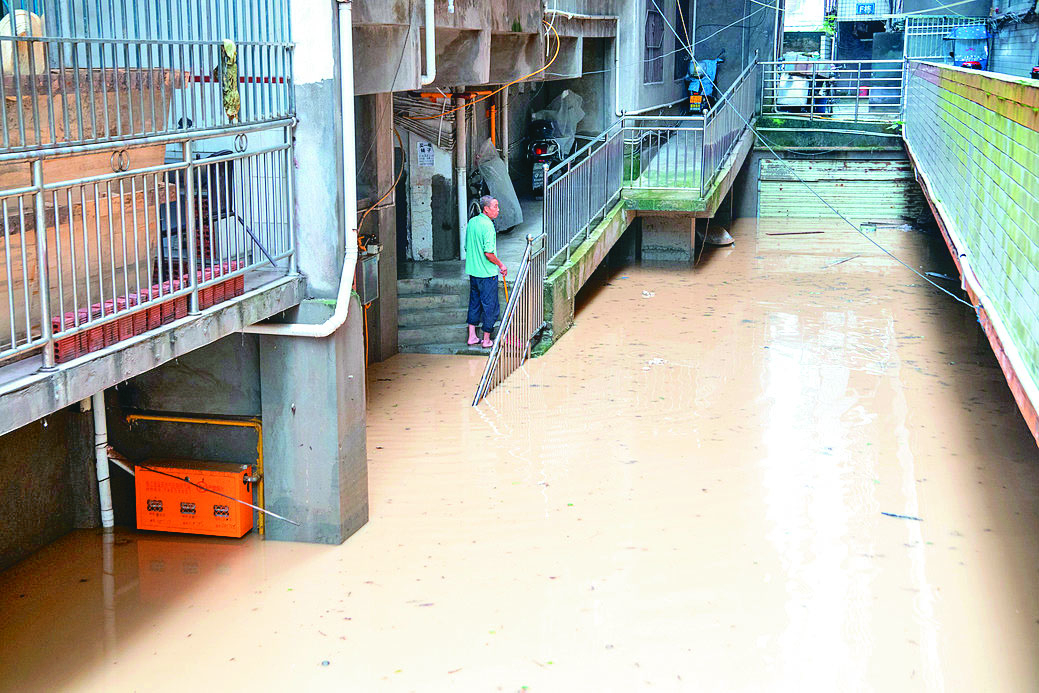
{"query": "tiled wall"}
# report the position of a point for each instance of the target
(976, 138)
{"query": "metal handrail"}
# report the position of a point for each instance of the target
(110, 247)
(732, 87)
(579, 154)
(522, 320)
(841, 90)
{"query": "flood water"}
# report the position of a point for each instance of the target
(686, 493)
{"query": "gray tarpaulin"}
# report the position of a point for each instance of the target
(567, 111)
(496, 174)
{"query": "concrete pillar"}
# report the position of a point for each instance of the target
(376, 143)
(668, 238)
(313, 401)
(319, 234)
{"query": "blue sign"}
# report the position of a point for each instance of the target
(865, 8)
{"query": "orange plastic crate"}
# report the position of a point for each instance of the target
(166, 504)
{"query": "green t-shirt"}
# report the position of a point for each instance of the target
(480, 238)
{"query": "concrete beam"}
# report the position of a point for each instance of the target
(40, 394)
(463, 58)
(386, 58)
(514, 56)
(569, 62)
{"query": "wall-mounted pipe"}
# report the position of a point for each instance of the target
(348, 177)
(431, 44)
(461, 182)
(104, 486)
(252, 423)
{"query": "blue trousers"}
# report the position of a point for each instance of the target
(483, 302)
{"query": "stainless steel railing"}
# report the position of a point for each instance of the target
(687, 152)
(663, 152)
(580, 190)
(726, 123)
(99, 247)
(523, 318)
(850, 91)
(74, 72)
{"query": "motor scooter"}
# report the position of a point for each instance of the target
(701, 77)
(543, 148)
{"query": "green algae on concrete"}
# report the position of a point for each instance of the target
(562, 285)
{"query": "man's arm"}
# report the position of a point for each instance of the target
(501, 265)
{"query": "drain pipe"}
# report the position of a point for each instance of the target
(461, 183)
(104, 487)
(431, 44)
(349, 194)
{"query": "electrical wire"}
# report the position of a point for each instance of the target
(186, 480)
(504, 86)
(811, 189)
(368, 211)
(681, 48)
(400, 61)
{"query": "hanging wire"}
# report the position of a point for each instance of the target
(810, 188)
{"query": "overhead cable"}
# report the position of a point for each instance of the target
(805, 183)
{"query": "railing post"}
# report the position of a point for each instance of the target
(189, 215)
(545, 215)
(858, 91)
(43, 267)
(290, 207)
(811, 95)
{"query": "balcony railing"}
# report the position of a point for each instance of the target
(145, 164)
(77, 72)
(90, 257)
(856, 91)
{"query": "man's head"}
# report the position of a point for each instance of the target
(489, 205)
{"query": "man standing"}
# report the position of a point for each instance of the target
(483, 266)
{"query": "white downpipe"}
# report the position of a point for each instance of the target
(618, 111)
(461, 184)
(431, 44)
(349, 194)
(104, 486)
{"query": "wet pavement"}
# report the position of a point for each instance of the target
(686, 493)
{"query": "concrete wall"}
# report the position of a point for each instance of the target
(1015, 45)
(977, 8)
(317, 161)
(47, 483)
(975, 137)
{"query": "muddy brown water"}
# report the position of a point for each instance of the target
(686, 493)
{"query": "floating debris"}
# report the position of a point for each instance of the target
(902, 517)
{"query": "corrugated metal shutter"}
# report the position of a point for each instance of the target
(860, 190)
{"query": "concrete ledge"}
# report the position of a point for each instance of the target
(563, 284)
(35, 395)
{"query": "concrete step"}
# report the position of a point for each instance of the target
(453, 348)
(433, 334)
(428, 317)
(408, 302)
(436, 285)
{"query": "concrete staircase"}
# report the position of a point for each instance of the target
(431, 314)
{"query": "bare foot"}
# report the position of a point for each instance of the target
(486, 343)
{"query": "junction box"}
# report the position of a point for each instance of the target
(168, 504)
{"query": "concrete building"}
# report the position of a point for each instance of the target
(191, 282)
